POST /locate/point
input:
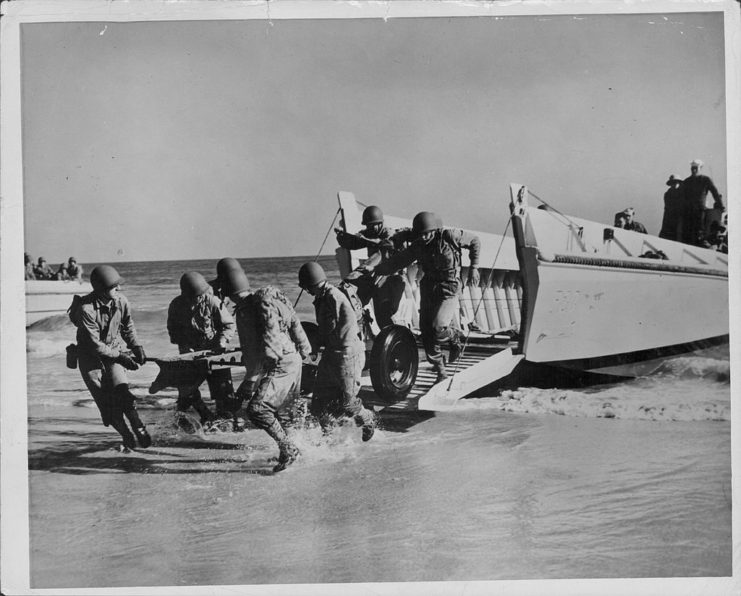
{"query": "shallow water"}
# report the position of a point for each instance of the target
(624, 480)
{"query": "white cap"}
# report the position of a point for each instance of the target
(629, 211)
(697, 162)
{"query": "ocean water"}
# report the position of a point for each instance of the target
(624, 480)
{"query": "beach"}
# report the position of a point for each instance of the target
(625, 480)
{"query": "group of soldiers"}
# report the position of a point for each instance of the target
(68, 271)
(688, 208)
(271, 338)
(688, 205)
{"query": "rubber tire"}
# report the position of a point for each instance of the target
(394, 363)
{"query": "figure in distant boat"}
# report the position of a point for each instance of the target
(42, 270)
(198, 320)
(671, 225)
(381, 242)
(273, 344)
(338, 377)
(437, 251)
(626, 220)
(74, 270)
(698, 205)
(28, 265)
(105, 329)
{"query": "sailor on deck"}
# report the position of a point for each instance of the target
(381, 242)
(438, 252)
(104, 329)
(197, 320)
(338, 376)
(273, 346)
(696, 188)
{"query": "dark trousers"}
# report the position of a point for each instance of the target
(108, 385)
(276, 392)
(338, 384)
(387, 298)
(436, 314)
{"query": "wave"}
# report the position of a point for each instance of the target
(695, 400)
(687, 367)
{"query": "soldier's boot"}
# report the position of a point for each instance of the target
(288, 452)
(368, 421)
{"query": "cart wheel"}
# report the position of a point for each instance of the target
(394, 362)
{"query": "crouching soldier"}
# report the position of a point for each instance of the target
(273, 346)
(104, 328)
(340, 369)
(437, 251)
(197, 320)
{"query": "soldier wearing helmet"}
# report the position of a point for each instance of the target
(197, 320)
(338, 376)
(697, 206)
(273, 346)
(104, 329)
(381, 242)
(223, 267)
(437, 251)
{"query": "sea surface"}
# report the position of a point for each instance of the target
(628, 480)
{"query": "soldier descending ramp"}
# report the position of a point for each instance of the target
(490, 312)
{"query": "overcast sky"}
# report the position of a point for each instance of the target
(185, 140)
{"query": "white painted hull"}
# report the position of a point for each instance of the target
(592, 303)
(46, 299)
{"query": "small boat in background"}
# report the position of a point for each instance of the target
(48, 298)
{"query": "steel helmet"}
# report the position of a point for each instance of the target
(311, 274)
(193, 284)
(235, 281)
(104, 277)
(372, 215)
(226, 264)
(425, 221)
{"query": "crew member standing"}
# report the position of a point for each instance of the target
(383, 241)
(438, 252)
(339, 372)
(197, 320)
(696, 188)
(671, 225)
(273, 346)
(104, 329)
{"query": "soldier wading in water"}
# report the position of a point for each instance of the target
(338, 376)
(273, 346)
(104, 328)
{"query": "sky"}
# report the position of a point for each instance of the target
(204, 139)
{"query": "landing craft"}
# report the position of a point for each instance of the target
(565, 301)
(48, 298)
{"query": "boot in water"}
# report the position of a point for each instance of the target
(143, 437)
(288, 454)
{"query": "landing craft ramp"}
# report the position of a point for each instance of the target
(490, 316)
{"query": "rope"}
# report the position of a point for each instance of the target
(319, 252)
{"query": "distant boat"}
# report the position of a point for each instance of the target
(566, 298)
(47, 298)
